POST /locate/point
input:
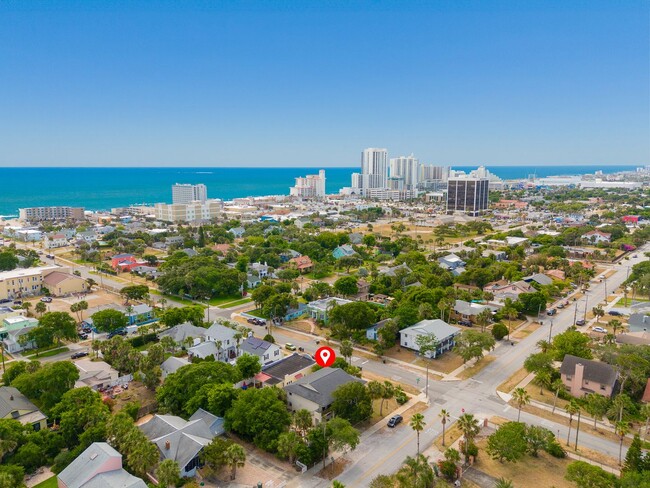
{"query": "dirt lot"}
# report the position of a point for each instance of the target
(446, 363)
(137, 392)
(94, 299)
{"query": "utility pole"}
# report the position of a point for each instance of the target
(586, 300)
(575, 314)
(550, 330)
(605, 282)
(578, 428)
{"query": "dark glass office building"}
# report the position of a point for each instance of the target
(468, 195)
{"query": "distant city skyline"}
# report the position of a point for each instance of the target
(304, 83)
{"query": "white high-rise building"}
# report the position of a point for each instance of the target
(186, 193)
(374, 169)
(429, 172)
(311, 186)
(408, 169)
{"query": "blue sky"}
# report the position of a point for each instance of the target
(283, 83)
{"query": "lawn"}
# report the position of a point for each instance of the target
(544, 470)
(257, 313)
(476, 368)
(236, 303)
(48, 483)
(175, 298)
(216, 302)
(508, 385)
(546, 396)
(629, 301)
(45, 353)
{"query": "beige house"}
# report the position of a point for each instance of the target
(285, 371)
(583, 376)
(95, 374)
(62, 284)
(21, 283)
(14, 405)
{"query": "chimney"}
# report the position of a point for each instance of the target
(167, 445)
(11, 398)
(577, 380)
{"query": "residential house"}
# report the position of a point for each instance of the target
(267, 352)
(190, 252)
(124, 262)
(222, 248)
(356, 238)
(182, 440)
(498, 255)
(539, 278)
(285, 371)
(171, 365)
(641, 338)
(225, 336)
(148, 271)
(14, 405)
(185, 333)
(95, 374)
(302, 264)
(596, 237)
(639, 321)
(87, 236)
(503, 289)
(295, 313)
(12, 328)
(363, 291)
(452, 263)
(205, 350)
(319, 309)
(61, 284)
(55, 240)
(238, 232)
(372, 332)
(252, 281)
(444, 333)
(343, 251)
(262, 270)
(467, 310)
(583, 376)
(402, 269)
(140, 314)
(99, 465)
(555, 274)
(314, 391)
(288, 255)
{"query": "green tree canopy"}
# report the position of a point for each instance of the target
(352, 402)
(109, 320)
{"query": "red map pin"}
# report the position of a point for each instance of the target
(325, 356)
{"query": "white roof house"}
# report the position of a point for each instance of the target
(444, 333)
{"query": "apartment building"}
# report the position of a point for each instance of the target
(20, 283)
(189, 212)
(185, 193)
(37, 214)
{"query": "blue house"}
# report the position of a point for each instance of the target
(294, 313)
(342, 251)
(372, 332)
(140, 314)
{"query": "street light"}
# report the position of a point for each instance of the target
(550, 330)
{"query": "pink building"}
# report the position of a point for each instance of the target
(583, 376)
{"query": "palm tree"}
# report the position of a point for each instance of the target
(556, 386)
(544, 346)
(504, 483)
(469, 426)
(235, 457)
(40, 308)
(598, 312)
(417, 424)
(622, 429)
(522, 397)
(572, 408)
(387, 393)
(483, 319)
(543, 378)
(614, 324)
(96, 346)
(444, 417)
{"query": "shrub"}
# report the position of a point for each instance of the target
(555, 449)
(472, 450)
(448, 469)
(140, 341)
(499, 331)
(401, 398)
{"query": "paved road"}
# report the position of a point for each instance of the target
(384, 451)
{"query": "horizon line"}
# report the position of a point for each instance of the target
(321, 167)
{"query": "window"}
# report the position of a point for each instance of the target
(603, 387)
(568, 377)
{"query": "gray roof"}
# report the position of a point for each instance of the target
(219, 332)
(596, 371)
(179, 439)
(83, 471)
(467, 308)
(319, 386)
(182, 331)
(437, 327)
(254, 345)
(288, 365)
(173, 364)
(204, 349)
(12, 400)
(540, 278)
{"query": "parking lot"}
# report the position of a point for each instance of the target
(95, 299)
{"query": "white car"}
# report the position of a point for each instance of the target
(599, 329)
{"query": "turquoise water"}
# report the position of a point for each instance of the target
(105, 188)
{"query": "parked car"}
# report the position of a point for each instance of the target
(599, 329)
(80, 354)
(46, 299)
(551, 311)
(468, 323)
(560, 305)
(635, 256)
(6, 300)
(83, 336)
(18, 302)
(86, 329)
(289, 346)
(394, 420)
(252, 321)
(615, 313)
(121, 332)
(580, 322)
(49, 256)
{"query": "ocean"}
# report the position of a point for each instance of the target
(106, 188)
